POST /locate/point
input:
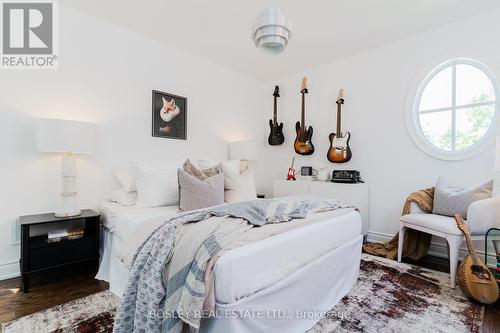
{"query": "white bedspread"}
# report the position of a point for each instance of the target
(245, 270)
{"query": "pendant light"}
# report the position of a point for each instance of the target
(271, 31)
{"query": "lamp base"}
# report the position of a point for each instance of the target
(68, 214)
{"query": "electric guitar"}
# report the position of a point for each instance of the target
(291, 171)
(303, 144)
(339, 151)
(474, 277)
(276, 136)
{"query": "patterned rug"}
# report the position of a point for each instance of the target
(388, 297)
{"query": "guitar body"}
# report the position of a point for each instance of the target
(474, 277)
(276, 136)
(476, 281)
(339, 151)
(303, 144)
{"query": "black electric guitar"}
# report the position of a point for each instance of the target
(303, 144)
(339, 151)
(276, 136)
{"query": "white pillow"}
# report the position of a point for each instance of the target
(124, 198)
(125, 179)
(238, 186)
(207, 164)
(156, 183)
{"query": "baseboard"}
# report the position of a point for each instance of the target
(9, 270)
(437, 249)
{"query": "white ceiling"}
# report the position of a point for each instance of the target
(323, 31)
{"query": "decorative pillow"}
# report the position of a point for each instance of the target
(207, 164)
(201, 175)
(124, 198)
(125, 179)
(156, 183)
(196, 193)
(240, 186)
(450, 200)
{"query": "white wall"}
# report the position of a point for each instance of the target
(106, 75)
(377, 84)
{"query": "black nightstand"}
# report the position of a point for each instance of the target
(37, 254)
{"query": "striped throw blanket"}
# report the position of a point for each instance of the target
(161, 297)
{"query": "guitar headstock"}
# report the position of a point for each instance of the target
(303, 88)
(340, 97)
(276, 91)
(461, 224)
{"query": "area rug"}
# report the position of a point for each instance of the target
(388, 297)
(395, 297)
(91, 314)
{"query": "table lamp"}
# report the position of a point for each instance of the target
(244, 151)
(66, 137)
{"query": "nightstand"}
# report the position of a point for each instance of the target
(38, 254)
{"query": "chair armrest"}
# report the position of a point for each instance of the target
(483, 215)
(415, 209)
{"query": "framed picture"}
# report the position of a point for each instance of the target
(169, 116)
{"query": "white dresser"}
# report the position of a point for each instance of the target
(355, 194)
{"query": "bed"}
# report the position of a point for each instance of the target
(288, 280)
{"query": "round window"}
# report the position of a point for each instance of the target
(454, 109)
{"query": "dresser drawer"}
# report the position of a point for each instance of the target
(60, 253)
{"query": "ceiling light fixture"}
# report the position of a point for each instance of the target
(271, 32)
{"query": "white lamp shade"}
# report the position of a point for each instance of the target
(65, 136)
(243, 150)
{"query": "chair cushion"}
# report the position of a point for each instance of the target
(435, 222)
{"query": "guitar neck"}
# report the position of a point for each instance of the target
(471, 248)
(303, 115)
(275, 112)
(339, 119)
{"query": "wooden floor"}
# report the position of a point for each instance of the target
(46, 290)
(66, 285)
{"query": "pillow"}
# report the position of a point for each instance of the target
(449, 200)
(207, 164)
(124, 198)
(125, 179)
(196, 193)
(239, 186)
(156, 183)
(201, 175)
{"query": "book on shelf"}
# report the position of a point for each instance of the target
(65, 234)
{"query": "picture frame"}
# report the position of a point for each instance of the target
(169, 116)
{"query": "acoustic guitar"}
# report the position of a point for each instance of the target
(303, 144)
(276, 136)
(474, 277)
(339, 151)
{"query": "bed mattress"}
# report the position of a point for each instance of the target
(245, 270)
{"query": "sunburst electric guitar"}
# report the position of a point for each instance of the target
(474, 277)
(303, 144)
(339, 151)
(276, 136)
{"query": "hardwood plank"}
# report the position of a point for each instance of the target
(47, 290)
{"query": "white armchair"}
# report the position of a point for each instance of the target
(481, 216)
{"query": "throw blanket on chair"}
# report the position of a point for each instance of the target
(416, 243)
(161, 297)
